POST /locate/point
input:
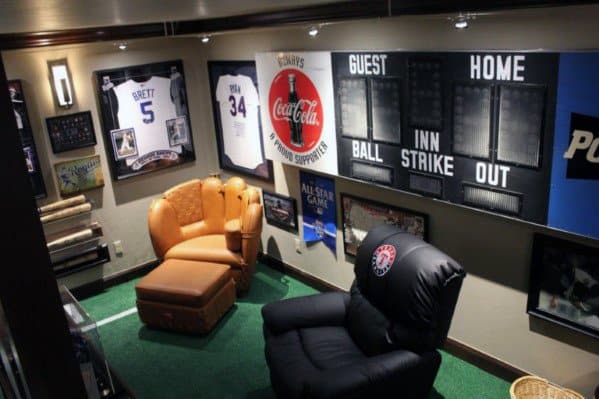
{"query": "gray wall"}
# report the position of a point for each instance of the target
(494, 250)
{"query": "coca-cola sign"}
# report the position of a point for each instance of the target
(295, 110)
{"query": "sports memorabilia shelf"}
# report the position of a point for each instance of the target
(235, 106)
(68, 132)
(19, 105)
(145, 117)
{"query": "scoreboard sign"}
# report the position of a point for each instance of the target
(473, 128)
(297, 109)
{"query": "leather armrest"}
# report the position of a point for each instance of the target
(233, 235)
(163, 226)
(328, 309)
(401, 371)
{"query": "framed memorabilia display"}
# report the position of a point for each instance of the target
(15, 89)
(236, 109)
(280, 211)
(564, 284)
(360, 215)
(145, 117)
(68, 132)
(79, 175)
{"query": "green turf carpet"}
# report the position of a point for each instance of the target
(229, 362)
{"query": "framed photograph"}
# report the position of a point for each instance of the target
(124, 143)
(68, 132)
(19, 106)
(564, 284)
(360, 215)
(236, 110)
(280, 211)
(148, 103)
(79, 175)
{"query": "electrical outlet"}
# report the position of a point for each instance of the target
(118, 247)
(298, 246)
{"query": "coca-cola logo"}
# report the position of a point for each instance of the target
(295, 110)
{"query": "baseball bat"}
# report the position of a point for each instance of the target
(63, 213)
(54, 206)
(94, 230)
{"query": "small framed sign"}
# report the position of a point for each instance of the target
(360, 215)
(79, 175)
(280, 211)
(68, 132)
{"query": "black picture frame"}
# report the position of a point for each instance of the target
(264, 170)
(564, 284)
(285, 216)
(19, 104)
(69, 132)
(148, 113)
(373, 211)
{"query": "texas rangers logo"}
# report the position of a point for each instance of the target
(295, 110)
(382, 259)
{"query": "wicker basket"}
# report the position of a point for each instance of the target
(531, 387)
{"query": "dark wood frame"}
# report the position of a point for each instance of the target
(276, 222)
(406, 211)
(540, 242)
(214, 68)
(89, 124)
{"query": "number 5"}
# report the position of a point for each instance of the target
(148, 112)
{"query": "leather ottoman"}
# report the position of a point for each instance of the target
(186, 296)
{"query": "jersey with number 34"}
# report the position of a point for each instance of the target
(145, 107)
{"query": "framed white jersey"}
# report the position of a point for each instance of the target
(145, 99)
(236, 109)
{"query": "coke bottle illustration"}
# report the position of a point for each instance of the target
(295, 117)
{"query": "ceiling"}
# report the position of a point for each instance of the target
(45, 15)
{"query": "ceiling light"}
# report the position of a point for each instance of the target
(313, 31)
(205, 39)
(462, 21)
(123, 46)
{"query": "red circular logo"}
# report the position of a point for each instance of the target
(295, 110)
(382, 259)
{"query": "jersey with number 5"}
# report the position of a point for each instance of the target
(238, 102)
(145, 107)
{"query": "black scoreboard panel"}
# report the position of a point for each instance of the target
(477, 128)
(353, 108)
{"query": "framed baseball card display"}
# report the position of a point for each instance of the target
(280, 211)
(359, 215)
(236, 110)
(15, 89)
(68, 132)
(79, 175)
(145, 117)
(564, 283)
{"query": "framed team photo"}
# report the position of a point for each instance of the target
(147, 101)
(280, 211)
(124, 143)
(177, 131)
(236, 110)
(564, 284)
(360, 215)
(68, 132)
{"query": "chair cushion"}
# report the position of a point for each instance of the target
(330, 347)
(208, 248)
(183, 282)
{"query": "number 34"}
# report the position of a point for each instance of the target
(237, 107)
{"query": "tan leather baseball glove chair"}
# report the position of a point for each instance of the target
(206, 220)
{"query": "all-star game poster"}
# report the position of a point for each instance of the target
(475, 128)
(297, 110)
(145, 117)
(319, 209)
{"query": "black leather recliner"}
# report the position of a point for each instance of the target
(377, 341)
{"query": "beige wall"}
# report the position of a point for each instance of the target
(491, 313)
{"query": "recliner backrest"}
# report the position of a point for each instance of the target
(412, 283)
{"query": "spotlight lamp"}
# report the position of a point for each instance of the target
(122, 46)
(61, 83)
(313, 31)
(462, 21)
(205, 39)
